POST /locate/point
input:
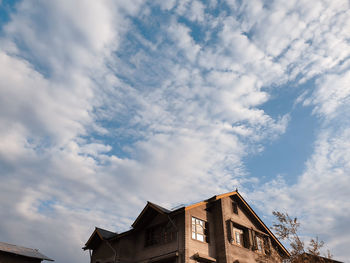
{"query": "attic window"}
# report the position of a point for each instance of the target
(235, 207)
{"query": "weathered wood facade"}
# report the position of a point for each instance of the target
(222, 229)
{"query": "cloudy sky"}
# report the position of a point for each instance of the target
(107, 104)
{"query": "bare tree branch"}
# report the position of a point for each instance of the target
(286, 228)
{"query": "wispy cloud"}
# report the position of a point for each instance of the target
(104, 105)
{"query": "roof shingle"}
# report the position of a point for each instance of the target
(22, 251)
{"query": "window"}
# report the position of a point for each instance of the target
(199, 229)
(259, 244)
(160, 234)
(235, 207)
(238, 237)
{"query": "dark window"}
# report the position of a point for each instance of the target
(160, 234)
(235, 207)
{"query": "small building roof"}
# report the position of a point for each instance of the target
(150, 209)
(167, 211)
(97, 236)
(22, 251)
(105, 234)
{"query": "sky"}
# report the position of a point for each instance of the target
(105, 105)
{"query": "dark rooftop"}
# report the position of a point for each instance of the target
(22, 251)
(166, 211)
(105, 233)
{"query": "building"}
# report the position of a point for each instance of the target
(222, 229)
(16, 254)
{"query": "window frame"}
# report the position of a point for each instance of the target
(159, 234)
(259, 241)
(195, 232)
(236, 231)
(235, 207)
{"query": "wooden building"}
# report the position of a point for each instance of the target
(15, 254)
(222, 229)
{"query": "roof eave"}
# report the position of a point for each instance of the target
(90, 238)
(263, 224)
(149, 204)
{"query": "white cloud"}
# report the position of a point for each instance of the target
(309, 41)
(181, 35)
(180, 112)
(49, 59)
(166, 5)
(332, 95)
(320, 198)
(197, 11)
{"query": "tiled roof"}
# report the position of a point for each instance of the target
(105, 233)
(23, 251)
(167, 211)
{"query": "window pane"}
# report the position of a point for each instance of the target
(200, 237)
(259, 243)
(238, 238)
(198, 229)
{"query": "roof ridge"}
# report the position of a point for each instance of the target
(159, 206)
(17, 245)
(100, 228)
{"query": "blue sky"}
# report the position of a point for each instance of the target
(107, 104)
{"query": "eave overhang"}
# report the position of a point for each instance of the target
(97, 236)
(148, 210)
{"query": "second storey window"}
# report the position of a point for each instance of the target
(198, 229)
(259, 244)
(159, 235)
(238, 237)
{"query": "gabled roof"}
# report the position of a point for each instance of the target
(148, 210)
(164, 210)
(247, 206)
(105, 234)
(97, 236)
(23, 251)
(152, 209)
